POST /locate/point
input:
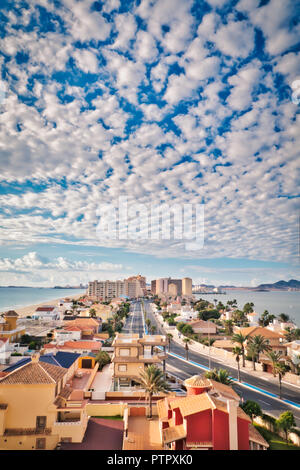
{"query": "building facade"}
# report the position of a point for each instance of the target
(132, 354)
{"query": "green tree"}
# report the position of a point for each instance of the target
(248, 307)
(257, 344)
(228, 324)
(169, 337)
(283, 317)
(187, 341)
(239, 317)
(237, 352)
(153, 381)
(241, 340)
(219, 375)
(266, 318)
(92, 312)
(286, 422)
(252, 409)
(279, 368)
(102, 358)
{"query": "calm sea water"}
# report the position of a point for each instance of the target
(275, 302)
(17, 297)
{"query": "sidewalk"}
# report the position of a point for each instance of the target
(223, 356)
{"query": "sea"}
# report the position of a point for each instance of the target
(18, 297)
(275, 302)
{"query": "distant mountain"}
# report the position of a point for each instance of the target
(284, 285)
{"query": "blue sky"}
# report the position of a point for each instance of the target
(165, 101)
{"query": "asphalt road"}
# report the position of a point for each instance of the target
(182, 369)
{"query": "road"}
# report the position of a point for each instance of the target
(183, 369)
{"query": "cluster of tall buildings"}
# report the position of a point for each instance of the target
(133, 287)
(169, 286)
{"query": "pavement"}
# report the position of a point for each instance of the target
(259, 388)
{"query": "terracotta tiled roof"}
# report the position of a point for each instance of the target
(224, 390)
(87, 322)
(72, 328)
(255, 436)
(34, 373)
(173, 433)
(11, 313)
(85, 345)
(197, 381)
(193, 404)
(259, 330)
(44, 309)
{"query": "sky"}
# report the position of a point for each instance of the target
(162, 102)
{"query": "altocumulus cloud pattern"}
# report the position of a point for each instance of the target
(161, 101)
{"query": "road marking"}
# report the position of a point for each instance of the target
(243, 384)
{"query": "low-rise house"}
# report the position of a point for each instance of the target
(203, 327)
(52, 408)
(132, 354)
(293, 354)
(206, 419)
(280, 327)
(88, 326)
(83, 346)
(9, 328)
(101, 311)
(46, 313)
(275, 339)
(68, 333)
(253, 318)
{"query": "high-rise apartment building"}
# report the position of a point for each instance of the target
(133, 287)
(106, 290)
(187, 286)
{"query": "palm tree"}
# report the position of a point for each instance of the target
(283, 317)
(169, 336)
(187, 341)
(237, 351)
(240, 339)
(256, 345)
(274, 358)
(152, 329)
(280, 369)
(153, 381)
(252, 351)
(228, 327)
(92, 312)
(219, 375)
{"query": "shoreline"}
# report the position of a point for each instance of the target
(30, 309)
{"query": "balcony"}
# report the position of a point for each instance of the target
(26, 431)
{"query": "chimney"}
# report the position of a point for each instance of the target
(232, 419)
(35, 357)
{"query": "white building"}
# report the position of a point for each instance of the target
(47, 313)
(253, 318)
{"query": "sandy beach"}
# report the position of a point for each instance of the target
(30, 309)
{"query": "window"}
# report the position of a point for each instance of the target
(40, 443)
(41, 422)
(122, 368)
(124, 352)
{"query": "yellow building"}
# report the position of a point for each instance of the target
(132, 354)
(38, 408)
(172, 289)
(187, 286)
(9, 328)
